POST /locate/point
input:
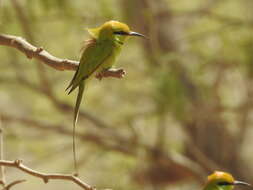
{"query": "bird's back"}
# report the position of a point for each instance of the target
(97, 56)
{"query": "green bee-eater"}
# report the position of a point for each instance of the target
(99, 54)
(222, 181)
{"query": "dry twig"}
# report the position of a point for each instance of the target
(9, 186)
(46, 177)
(38, 53)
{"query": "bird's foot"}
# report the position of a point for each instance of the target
(116, 73)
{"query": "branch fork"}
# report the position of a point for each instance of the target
(45, 177)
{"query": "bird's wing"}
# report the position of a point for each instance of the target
(93, 56)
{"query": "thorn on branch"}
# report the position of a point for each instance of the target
(45, 179)
(29, 55)
(64, 61)
(39, 49)
(18, 162)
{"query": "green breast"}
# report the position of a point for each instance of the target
(110, 61)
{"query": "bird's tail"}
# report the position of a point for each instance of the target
(76, 113)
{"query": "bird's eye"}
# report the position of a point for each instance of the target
(120, 33)
(224, 183)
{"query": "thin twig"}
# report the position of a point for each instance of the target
(46, 177)
(2, 172)
(38, 53)
(9, 186)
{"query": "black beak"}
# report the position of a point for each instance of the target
(241, 183)
(136, 34)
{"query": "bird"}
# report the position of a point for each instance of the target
(99, 54)
(220, 180)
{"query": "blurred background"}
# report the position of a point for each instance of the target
(183, 110)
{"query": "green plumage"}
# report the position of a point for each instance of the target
(222, 181)
(100, 54)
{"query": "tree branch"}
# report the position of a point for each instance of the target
(42, 55)
(116, 73)
(9, 186)
(38, 53)
(46, 177)
(120, 145)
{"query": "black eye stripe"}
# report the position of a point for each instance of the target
(224, 183)
(120, 33)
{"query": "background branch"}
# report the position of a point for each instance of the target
(46, 177)
(10, 185)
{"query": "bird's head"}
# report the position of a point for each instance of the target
(222, 181)
(113, 30)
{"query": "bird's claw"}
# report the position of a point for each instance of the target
(121, 73)
(116, 73)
